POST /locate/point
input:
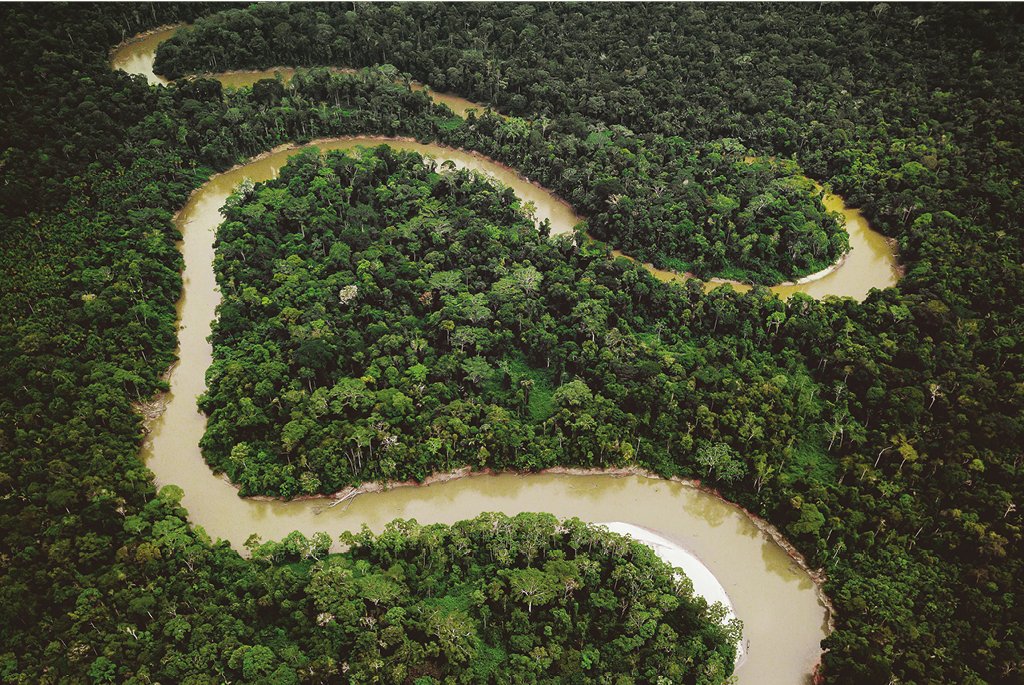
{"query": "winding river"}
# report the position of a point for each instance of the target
(725, 552)
(870, 263)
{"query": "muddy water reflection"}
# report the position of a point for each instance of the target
(136, 56)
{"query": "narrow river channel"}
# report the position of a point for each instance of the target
(783, 614)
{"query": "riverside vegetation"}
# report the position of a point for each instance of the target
(897, 471)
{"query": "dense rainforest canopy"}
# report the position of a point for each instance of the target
(383, 319)
(884, 437)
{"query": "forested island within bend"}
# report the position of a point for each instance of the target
(903, 487)
(382, 321)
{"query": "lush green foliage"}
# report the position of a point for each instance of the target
(526, 599)
(701, 208)
(909, 498)
(384, 319)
